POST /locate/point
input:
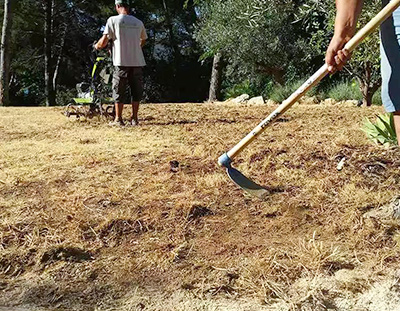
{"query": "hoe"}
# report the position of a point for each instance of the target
(226, 159)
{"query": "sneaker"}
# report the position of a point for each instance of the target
(117, 123)
(134, 122)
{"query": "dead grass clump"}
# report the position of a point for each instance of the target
(94, 202)
(15, 235)
(260, 156)
(317, 256)
(332, 266)
(181, 252)
(115, 231)
(65, 253)
(85, 141)
(14, 264)
(198, 211)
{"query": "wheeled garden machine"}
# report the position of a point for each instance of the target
(94, 98)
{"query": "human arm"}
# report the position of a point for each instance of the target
(345, 26)
(143, 36)
(102, 43)
(108, 34)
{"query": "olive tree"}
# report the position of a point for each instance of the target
(254, 37)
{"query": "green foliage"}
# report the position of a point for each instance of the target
(382, 131)
(255, 87)
(344, 90)
(264, 43)
(238, 89)
(257, 37)
(377, 99)
(365, 62)
(279, 93)
(283, 40)
(368, 51)
(65, 96)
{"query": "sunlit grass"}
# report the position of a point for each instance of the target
(111, 192)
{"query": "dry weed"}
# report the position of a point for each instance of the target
(91, 215)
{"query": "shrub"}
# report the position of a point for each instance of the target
(281, 92)
(236, 90)
(376, 99)
(382, 131)
(65, 96)
(345, 91)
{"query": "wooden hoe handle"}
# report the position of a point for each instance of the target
(226, 159)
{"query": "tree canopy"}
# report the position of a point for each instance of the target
(259, 44)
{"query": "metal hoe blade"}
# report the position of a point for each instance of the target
(226, 159)
(246, 184)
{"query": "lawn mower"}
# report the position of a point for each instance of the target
(94, 98)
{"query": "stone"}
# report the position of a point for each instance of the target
(256, 101)
(240, 99)
(329, 102)
(271, 102)
(349, 103)
(305, 100)
(390, 211)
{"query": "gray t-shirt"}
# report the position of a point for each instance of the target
(126, 32)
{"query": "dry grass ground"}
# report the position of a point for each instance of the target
(92, 218)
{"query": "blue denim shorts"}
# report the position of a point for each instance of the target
(390, 61)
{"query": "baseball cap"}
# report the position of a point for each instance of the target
(126, 2)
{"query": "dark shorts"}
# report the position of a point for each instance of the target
(390, 61)
(127, 84)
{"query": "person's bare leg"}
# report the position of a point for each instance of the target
(118, 112)
(135, 111)
(396, 116)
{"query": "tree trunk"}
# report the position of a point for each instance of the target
(367, 86)
(367, 95)
(5, 54)
(216, 73)
(368, 92)
(48, 57)
(174, 45)
(59, 58)
(169, 24)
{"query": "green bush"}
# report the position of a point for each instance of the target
(281, 92)
(382, 131)
(236, 90)
(345, 91)
(376, 99)
(65, 96)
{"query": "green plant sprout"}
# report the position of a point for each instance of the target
(382, 131)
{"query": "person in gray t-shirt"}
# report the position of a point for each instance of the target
(128, 36)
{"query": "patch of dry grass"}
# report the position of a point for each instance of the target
(90, 216)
